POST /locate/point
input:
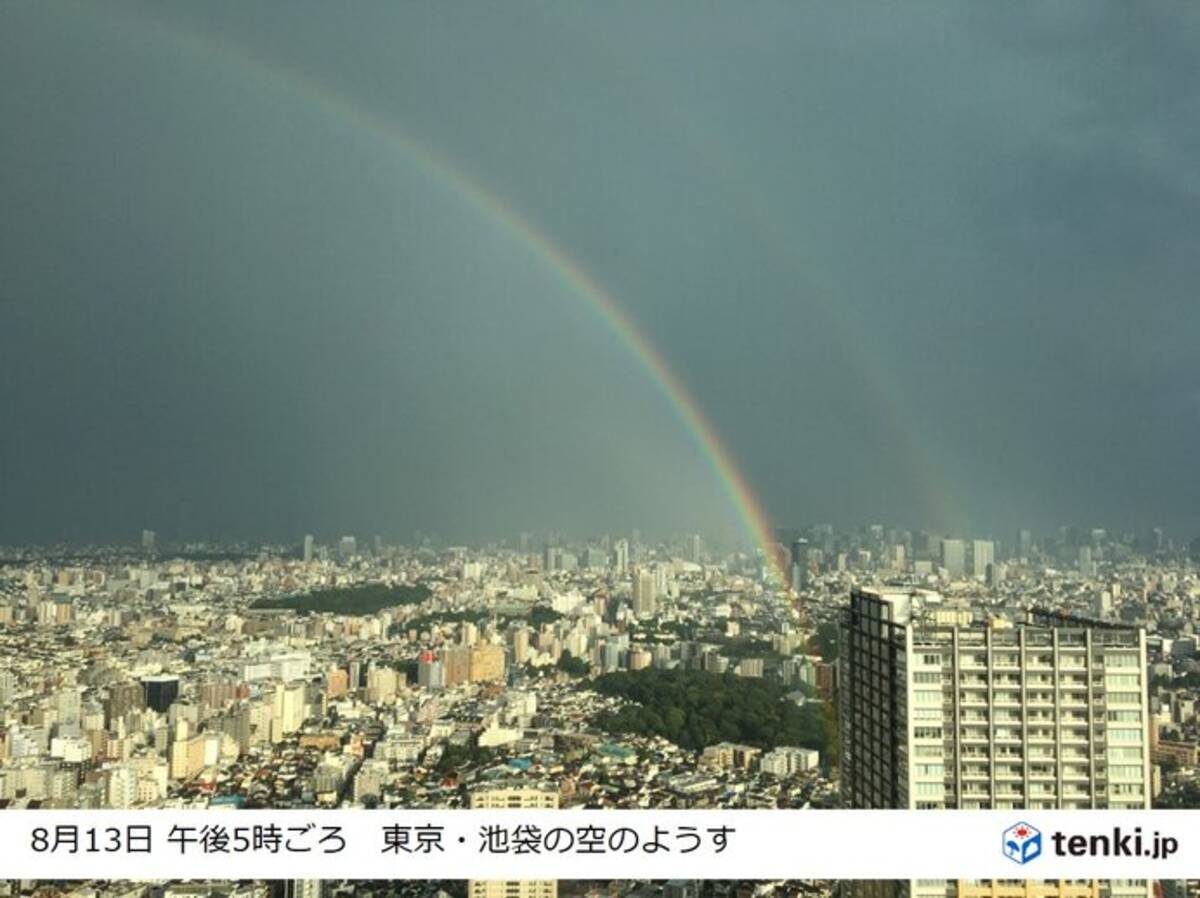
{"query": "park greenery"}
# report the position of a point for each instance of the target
(364, 599)
(1190, 680)
(695, 709)
(538, 615)
(457, 757)
(572, 666)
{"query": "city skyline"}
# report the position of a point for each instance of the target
(587, 406)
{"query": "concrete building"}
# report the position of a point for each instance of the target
(487, 663)
(645, 594)
(953, 558)
(1051, 713)
(517, 796)
(159, 692)
(983, 556)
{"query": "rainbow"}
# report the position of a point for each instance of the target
(353, 114)
(927, 462)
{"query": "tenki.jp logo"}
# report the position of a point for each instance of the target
(1022, 843)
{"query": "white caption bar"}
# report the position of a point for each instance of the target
(607, 844)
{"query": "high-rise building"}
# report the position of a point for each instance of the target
(645, 594)
(158, 693)
(337, 682)
(149, 541)
(983, 553)
(347, 547)
(429, 671)
(289, 709)
(800, 569)
(1049, 713)
(487, 662)
(309, 547)
(695, 548)
(1087, 567)
(456, 665)
(621, 556)
(954, 558)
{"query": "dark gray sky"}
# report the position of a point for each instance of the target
(929, 264)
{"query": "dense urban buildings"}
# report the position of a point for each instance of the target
(423, 676)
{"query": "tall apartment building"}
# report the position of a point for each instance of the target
(486, 663)
(645, 594)
(983, 556)
(954, 558)
(1048, 713)
(518, 796)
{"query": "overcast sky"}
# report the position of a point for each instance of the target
(933, 265)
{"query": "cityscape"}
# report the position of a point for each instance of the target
(560, 407)
(1043, 671)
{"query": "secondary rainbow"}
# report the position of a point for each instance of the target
(356, 115)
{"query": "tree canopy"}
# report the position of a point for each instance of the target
(695, 709)
(366, 599)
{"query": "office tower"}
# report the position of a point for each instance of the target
(621, 556)
(308, 547)
(520, 645)
(695, 548)
(289, 709)
(158, 693)
(983, 553)
(800, 569)
(1051, 713)
(1087, 567)
(954, 558)
(552, 558)
(347, 547)
(521, 796)
(595, 558)
(149, 541)
(456, 665)
(356, 670)
(121, 699)
(644, 594)
(429, 671)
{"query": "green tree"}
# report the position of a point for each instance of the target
(575, 667)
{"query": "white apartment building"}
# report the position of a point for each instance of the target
(1050, 713)
(513, 796)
